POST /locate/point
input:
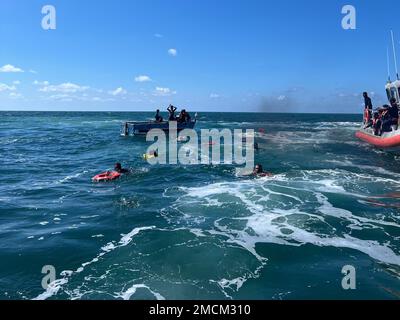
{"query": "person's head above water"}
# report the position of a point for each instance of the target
(393, 101)
(117, 166)
(258, 168)
(365, 94)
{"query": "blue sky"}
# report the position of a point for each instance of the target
(236, 55)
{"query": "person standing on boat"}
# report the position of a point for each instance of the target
(367, 101)
(367, 116)
(158, 117)
(394, 113)
(171, 109)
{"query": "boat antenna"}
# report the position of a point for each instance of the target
(394, 55)
(388, 63)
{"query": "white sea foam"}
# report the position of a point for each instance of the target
(70, 177)
(262, 218)
(52, 289)
(126, 295)
(124, 241)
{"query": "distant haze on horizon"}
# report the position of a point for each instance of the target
(209, 56)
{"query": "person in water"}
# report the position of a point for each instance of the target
(153, 153)
(118, 168)
(258, 171)
(158, 117)
(367, 101)
(171, 109)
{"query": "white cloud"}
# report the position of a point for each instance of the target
(10, 68)
(67, 87)
(15, 95)
(32, 71)
(142, 78)
(41, 83)
(59, 96)
(214, 96)
(173, 52)
(157, 35)
(16, 82)
(5, 87)
(117, 92)
(159, 91)
(281, 98)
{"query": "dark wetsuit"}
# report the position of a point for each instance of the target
(123, 171)
(368, 103)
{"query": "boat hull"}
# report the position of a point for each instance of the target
(389, 141)
(142, 128)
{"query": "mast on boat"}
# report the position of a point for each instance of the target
(388, 64)
(394, 55)
(393, 87)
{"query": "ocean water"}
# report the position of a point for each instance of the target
(196, 232)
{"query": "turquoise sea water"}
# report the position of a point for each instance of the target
(196, 232)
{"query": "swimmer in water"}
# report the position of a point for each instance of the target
(259, 172)
(118, 168)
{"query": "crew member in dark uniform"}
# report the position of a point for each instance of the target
(394, 112)
(367, 101)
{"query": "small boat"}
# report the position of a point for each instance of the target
(387, 141)
(143, 127)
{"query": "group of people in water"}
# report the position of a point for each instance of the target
(383, 119)
(257, 172)
(183, 116)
